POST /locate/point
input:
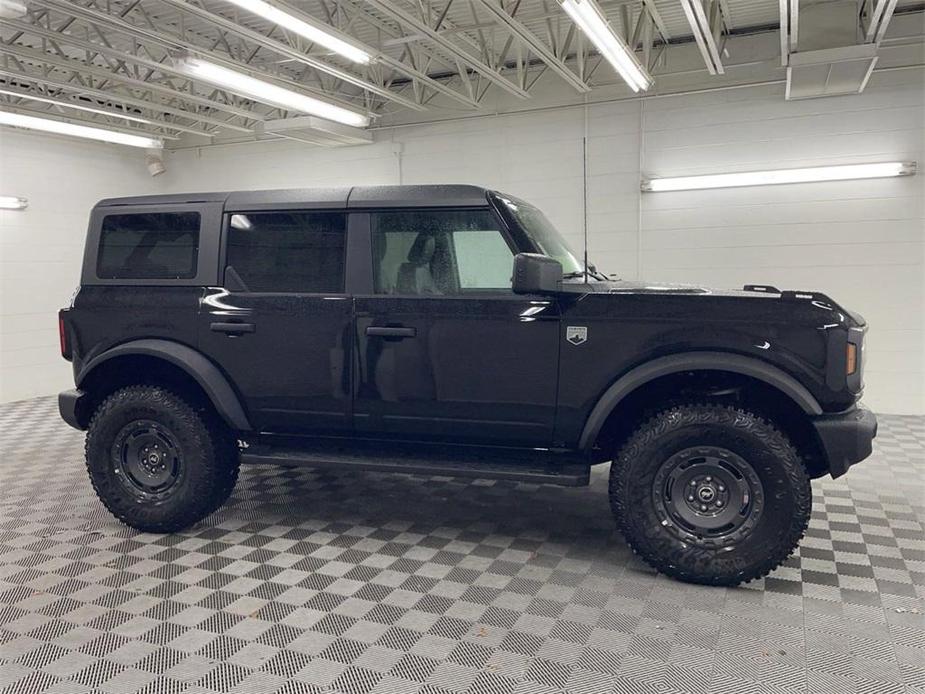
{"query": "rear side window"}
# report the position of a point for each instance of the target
(297, 252)
(161, 245)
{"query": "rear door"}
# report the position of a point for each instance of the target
(281, 323)
(445, 349)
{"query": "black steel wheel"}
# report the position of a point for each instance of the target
(710, 494)
(156, 462)
(148, 458)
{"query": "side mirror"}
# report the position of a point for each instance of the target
(536, 274)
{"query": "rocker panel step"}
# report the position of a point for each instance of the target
(481, 464)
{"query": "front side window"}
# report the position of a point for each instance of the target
(292, 252)
(160, 245)
(546, 237)
(439, 252)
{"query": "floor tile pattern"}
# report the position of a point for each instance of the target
(322, 581)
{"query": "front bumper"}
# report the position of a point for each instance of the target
(72, 405)
(847, 437)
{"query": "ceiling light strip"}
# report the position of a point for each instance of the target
(844, 172)
(268, 93)
(299, 26)
(67, 104)
(19, 120)
(588, 16)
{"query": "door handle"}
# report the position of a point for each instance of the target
(232, 328)
(391, 331)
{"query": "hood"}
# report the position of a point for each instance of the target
(670, 288)
(757, 292)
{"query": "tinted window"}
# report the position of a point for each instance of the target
(288, 251)
(161, 245)
(439, 252)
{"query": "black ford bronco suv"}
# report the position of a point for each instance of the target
(450, 330)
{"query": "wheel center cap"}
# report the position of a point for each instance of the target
(154, 459)
(706, 494)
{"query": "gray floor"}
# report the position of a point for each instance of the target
(320, 581)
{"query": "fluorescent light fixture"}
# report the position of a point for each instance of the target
(311, 32)
(268, 93)
(845, 172)
(58, 127)
(12, 9)
(11, 202)
(68, 104)
(587, 15)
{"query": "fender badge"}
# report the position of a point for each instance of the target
(576, 334)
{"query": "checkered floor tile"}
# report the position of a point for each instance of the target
(368, 583)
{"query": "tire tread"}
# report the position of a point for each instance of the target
(641, 539)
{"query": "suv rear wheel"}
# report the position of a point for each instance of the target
(156, 463)
(710, 494)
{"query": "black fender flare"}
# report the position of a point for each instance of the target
(694, 361)
(198, 366)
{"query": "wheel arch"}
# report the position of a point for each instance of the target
(149, 360)
(785, 389)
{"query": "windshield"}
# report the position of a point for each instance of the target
(544, 235)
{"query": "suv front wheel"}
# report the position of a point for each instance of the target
(156, 463)
(710, 494)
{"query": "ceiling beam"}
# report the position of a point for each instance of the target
(879, 21)
(293, 54)
(103, 74)
(108, 113)
(162, 67)
(486, 71)
(706, 21)
(174, 43)
(105, 96)
(535, 45)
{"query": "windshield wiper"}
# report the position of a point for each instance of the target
(591, 272)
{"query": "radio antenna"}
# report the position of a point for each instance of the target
(584, 203)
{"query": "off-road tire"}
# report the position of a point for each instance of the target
(641, 515)
(207, 459)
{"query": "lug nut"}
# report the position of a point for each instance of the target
(690, 498)
(702, 507)
(719, 502)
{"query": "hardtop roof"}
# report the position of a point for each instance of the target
(431, 195)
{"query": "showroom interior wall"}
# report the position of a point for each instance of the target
(860, 241)
(41, 247)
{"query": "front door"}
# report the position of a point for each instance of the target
(445, 349)
(281, 325)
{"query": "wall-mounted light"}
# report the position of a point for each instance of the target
(844, 172)
(11, 202)
(588, 16)
(58, 127)
(267, 93)
(312, 32)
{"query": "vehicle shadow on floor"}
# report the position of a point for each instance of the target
(579, 517)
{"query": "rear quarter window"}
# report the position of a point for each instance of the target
(158, 245)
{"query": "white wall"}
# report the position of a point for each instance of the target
(41, 247)
(861, 241)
